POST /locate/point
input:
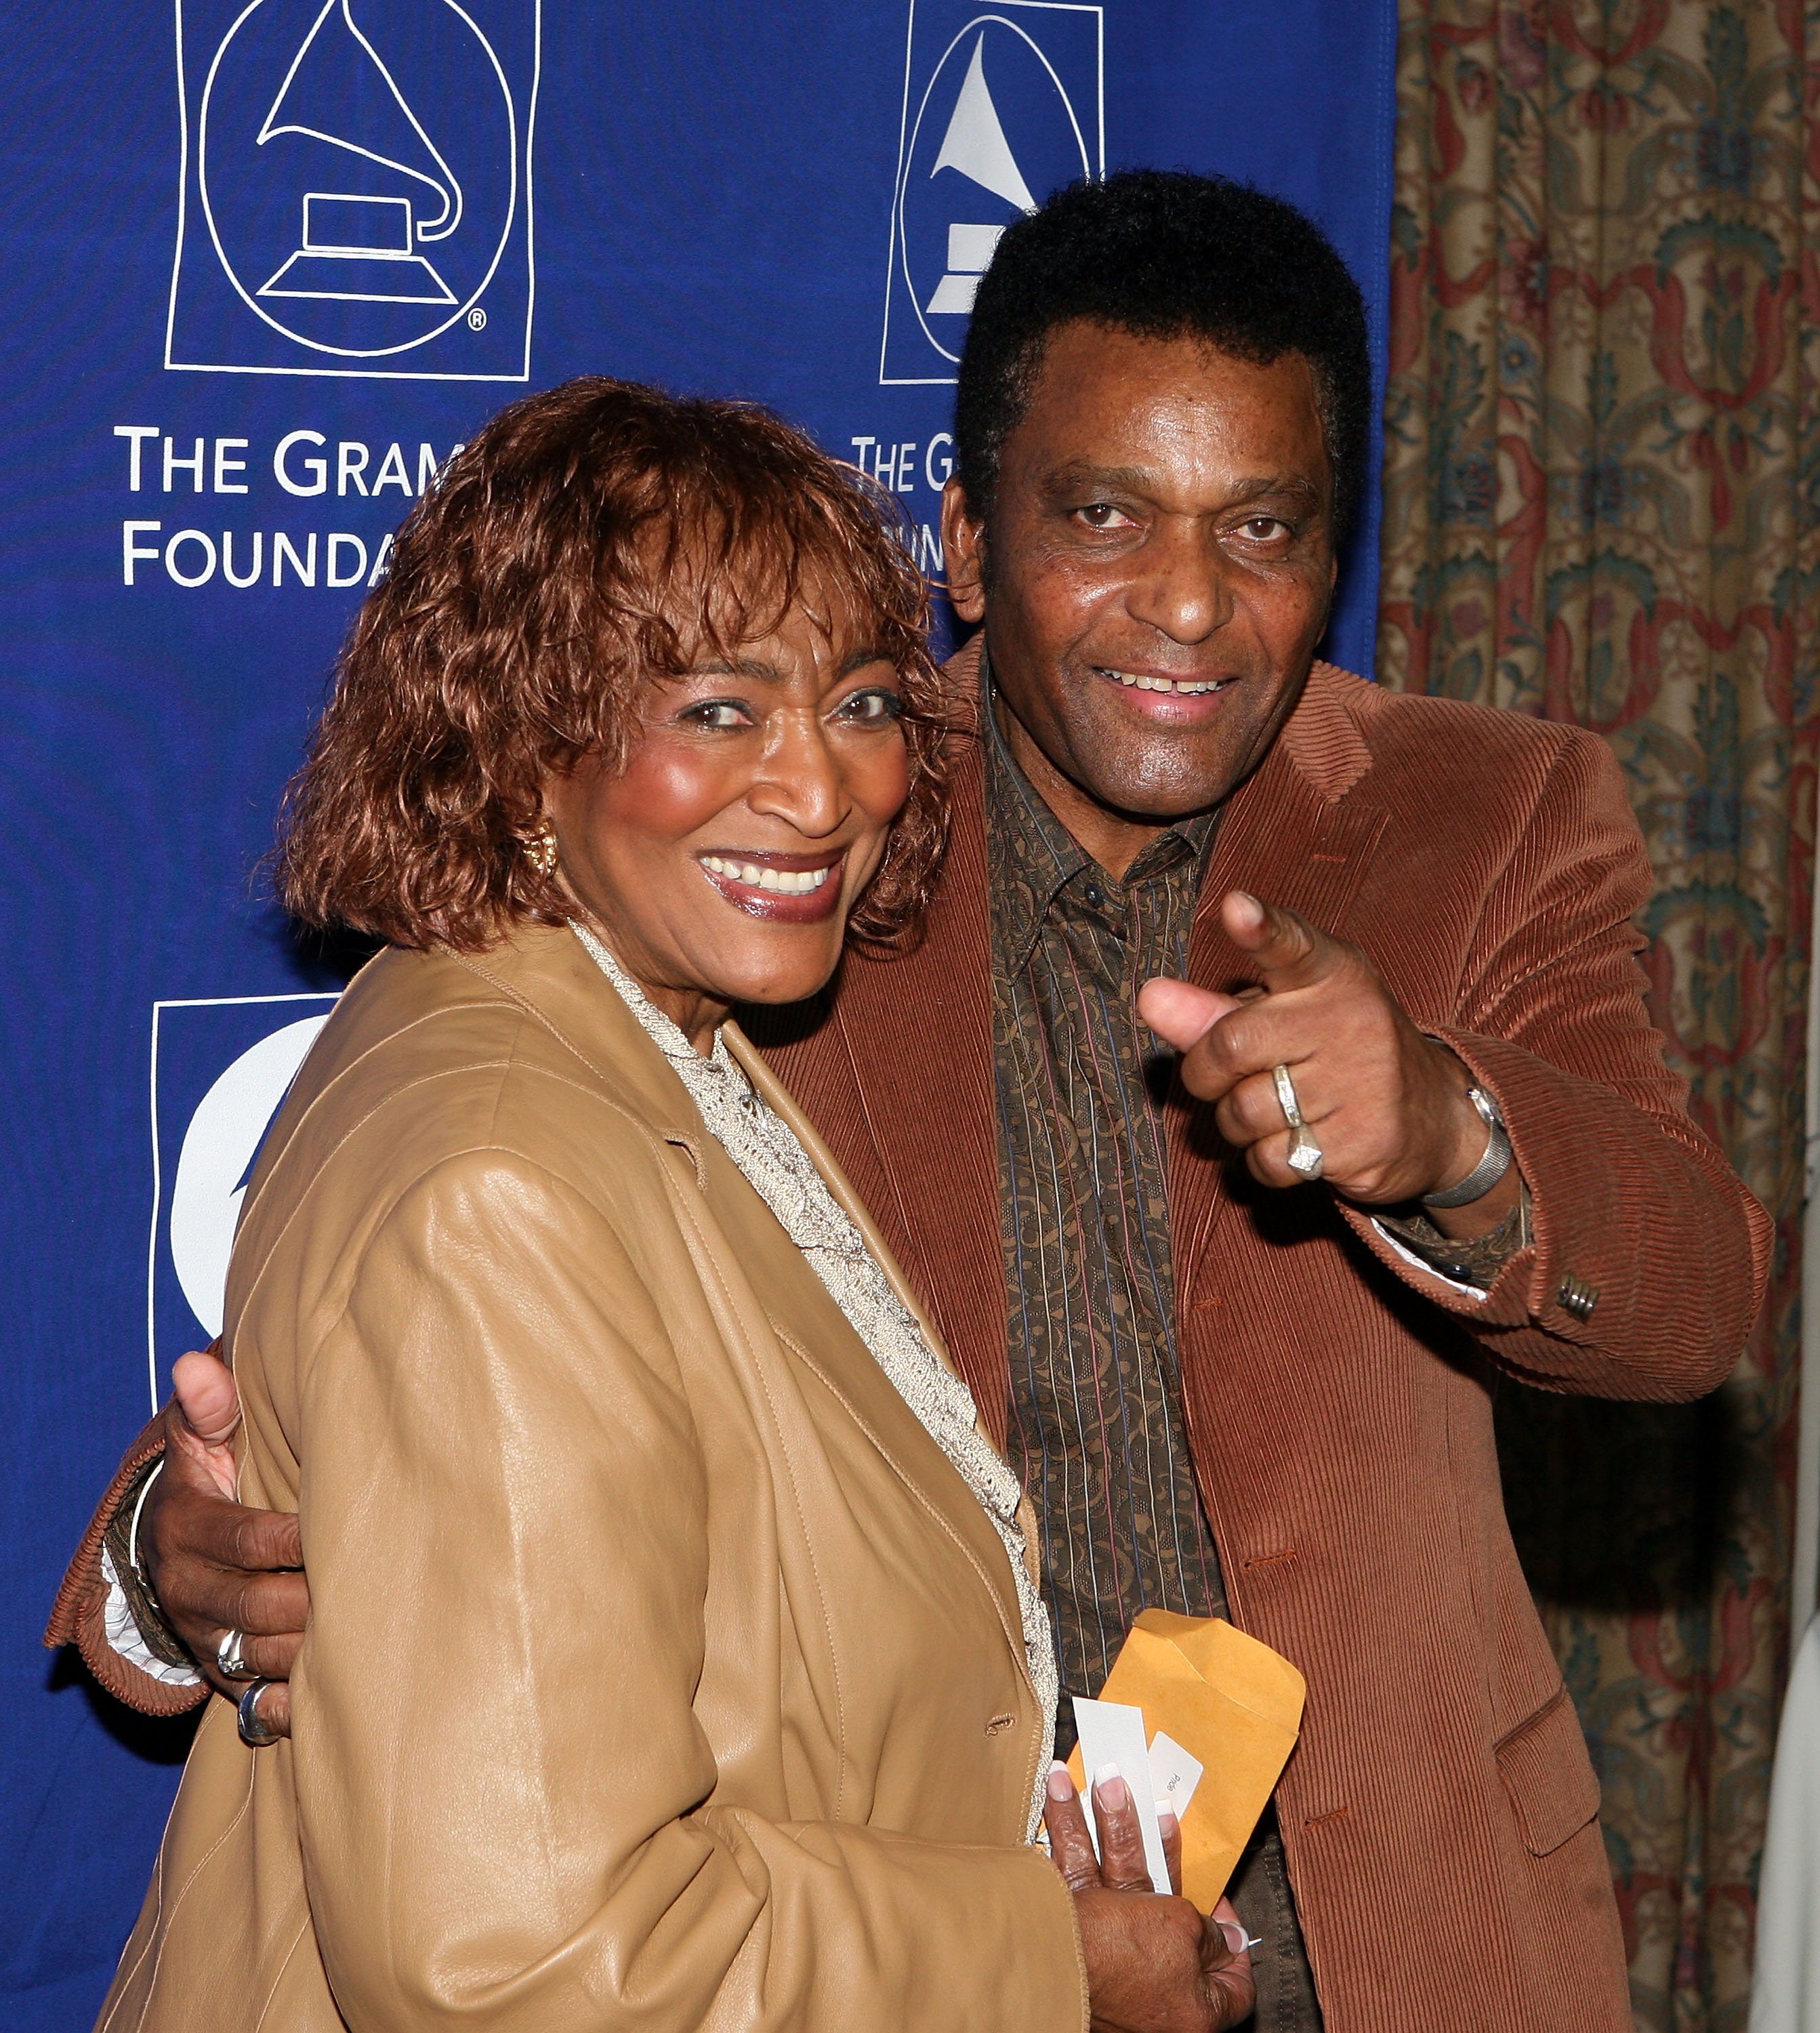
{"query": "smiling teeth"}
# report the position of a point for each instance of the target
(783, 881)
(1148, 684)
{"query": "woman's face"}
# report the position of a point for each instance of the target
(722, 862)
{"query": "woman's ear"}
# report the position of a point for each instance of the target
(964, 553)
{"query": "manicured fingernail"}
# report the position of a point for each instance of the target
(1109, 1782)
(1237, 1940)
(1165, 1822)
(1061, 1782)
(1250, 911)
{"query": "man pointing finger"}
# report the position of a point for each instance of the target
(1323, 1076)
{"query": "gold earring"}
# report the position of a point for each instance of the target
(540, 847)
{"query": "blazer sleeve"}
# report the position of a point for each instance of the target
(1630, 1202)
(79, 1615)
(504, 1793)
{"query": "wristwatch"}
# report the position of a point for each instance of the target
(1491, 1167)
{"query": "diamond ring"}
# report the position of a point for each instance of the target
(230, 1656)
(1304, 1153)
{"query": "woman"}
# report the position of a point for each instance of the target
(591, 1382)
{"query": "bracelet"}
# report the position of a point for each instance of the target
(1491, 1167)
(133, 1531)
(121, 1542)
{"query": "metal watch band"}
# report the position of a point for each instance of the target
(126, 1555)
(1491, 1167)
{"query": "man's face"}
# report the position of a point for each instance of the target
(1157, 571)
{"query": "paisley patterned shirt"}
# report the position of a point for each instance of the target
(1096, 1428)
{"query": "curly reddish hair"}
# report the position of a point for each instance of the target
(590, 538)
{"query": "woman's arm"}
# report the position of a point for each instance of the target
(499, 1775)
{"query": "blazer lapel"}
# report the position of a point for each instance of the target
(866, 1391)
(919, 1031)
(1296, 834)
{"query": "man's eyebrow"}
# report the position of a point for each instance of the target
(1079, 473)
(1296, 485)
(1079, 477)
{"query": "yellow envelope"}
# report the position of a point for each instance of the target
(1235, 1704)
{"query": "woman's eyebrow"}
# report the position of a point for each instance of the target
(755, 667)
(736, 667)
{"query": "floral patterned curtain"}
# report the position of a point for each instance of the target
(1602, 504)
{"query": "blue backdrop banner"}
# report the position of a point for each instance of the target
(271, 261)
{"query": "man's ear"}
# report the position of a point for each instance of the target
(964, 553)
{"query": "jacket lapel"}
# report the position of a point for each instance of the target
(918, 1029)
(784, 1105)
(1296, 834)
(870, 1398)
(549, 973)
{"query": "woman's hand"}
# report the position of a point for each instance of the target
(1153, 1964)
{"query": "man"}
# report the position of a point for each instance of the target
(1239, 1316)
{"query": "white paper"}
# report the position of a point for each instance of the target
(1174, 1774)
(1112, 1733)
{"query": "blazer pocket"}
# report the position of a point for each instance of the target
(1543, 1765)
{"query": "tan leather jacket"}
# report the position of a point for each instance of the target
(661, 1673)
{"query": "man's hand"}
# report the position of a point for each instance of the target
(1153, 1964)
(216, 1565)
(1387, 1105)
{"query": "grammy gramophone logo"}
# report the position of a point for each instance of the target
(357, 187)
(1002, 106)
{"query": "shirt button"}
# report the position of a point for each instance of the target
(1094, 895)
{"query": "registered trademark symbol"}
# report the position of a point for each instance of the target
(477, 319)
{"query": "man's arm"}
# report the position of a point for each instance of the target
(1650, 1256)
(212, 1564)
(1646, 1258)
(80, 1616)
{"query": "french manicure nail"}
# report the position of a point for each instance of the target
(1167, 1822)
(1061, 1782)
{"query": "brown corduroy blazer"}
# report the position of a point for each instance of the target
(1440, 1814)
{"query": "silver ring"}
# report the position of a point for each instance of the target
(1304, 1154)
(230, 1656)
(255, 1732)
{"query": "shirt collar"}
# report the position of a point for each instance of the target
(1033, 855)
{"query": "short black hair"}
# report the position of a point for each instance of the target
(1165, 254)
